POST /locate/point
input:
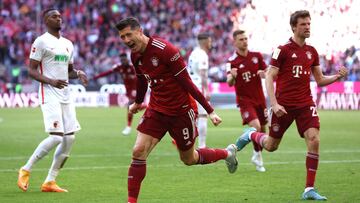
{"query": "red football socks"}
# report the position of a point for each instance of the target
(207, 155)
(312, 161)
(136, 174)
(258, 138)
(129, 118)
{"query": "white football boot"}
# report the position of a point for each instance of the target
(256, 159)
(127, 130)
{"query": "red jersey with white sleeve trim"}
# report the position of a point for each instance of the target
(160, 64)
(248, 86)
(295, 64)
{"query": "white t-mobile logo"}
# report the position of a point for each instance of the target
(246, 76)
(297, 70)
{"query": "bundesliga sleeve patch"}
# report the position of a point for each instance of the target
(276, 53)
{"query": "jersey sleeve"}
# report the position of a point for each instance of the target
(37, 50)
(316, 58)
(277, 57)
(72, 53)
(173, 59)
(262, 64)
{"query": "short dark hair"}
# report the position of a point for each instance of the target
(203, 36)
(47, 11)
(296, 15)
(129, 21)
(123, 55)
(238, 32)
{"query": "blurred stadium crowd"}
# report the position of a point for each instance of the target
(89, 25)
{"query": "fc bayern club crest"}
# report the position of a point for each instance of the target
(155, 61)
(275, 127)
(308, 54)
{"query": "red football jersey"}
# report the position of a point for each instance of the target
(248, 83)
(160, 64)
(128, 75)
(295, 65)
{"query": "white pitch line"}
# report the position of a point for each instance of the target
(10, 158)
(6, 170)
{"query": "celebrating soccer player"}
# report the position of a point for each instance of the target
(171, 108)
(292, 65)
(244, 71)
(51, 63)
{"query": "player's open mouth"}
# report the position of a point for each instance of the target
(131, 45)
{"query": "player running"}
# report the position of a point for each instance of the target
(172, 108)
(244, 71)
(292, 65)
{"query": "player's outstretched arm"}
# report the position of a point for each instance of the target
(103, 74)
(34, 73)
(184, 79)
(323, 80)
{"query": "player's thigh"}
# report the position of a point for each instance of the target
(278, 125)
(248, 113)
(307, 118)
(71, 124)
(183, 130)
(53, 120)
(261, 113)
(154, 124)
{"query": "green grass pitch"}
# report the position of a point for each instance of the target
(97, 168)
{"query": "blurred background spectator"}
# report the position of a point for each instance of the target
(89, 25)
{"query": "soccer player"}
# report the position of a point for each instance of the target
(127, 73)
(199, 67)
(244, 71)
(51, 63)
(171, 108)
(292, 65)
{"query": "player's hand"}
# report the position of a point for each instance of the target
(261, 73)
(135, 107)
(233, 72)
(82, 77)
(215, 119)
(278, 110)
(59, 83)
(343, 72)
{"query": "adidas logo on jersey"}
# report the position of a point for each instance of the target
(294, 56)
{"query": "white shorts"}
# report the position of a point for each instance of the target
(60, 117)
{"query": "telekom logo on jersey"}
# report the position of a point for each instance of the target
(246, 76)
(297, 70)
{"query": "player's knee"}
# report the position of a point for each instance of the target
(314, 140)
(272, 148)
(138, 151)
(188, 161)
